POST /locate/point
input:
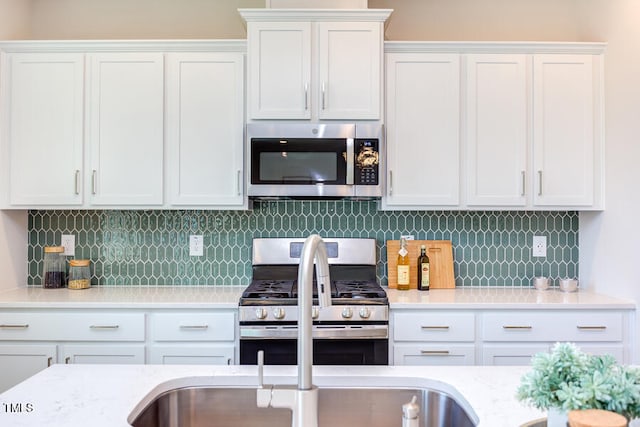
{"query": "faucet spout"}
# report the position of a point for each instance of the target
(314, 249)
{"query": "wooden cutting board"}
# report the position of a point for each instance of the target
(440, 254)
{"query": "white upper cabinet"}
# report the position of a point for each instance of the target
(126, 128)
(314, 65)
(423, 129)
(494, 126)
(280, 70)
(43, 100)
(496, 130)
(205, 112)
(564, 111)
(350, 62)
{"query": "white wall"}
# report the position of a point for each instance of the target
(14, 19)
(14, 24)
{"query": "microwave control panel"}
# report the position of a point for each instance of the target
(367, 161)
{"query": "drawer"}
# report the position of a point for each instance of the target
(52, 326)
(186, 326)
(433, 326)
(553, 326)
(433, 354)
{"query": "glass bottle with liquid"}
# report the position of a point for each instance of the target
(423, 269)
(403, 267)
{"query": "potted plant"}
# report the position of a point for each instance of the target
(567, 379)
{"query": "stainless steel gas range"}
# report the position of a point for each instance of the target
(353, 331)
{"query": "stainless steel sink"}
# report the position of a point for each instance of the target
(228, 406)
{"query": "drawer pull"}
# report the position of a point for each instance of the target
(510, 327)
(430, 328)
(104, 326)
(592, 328)
(192, 327)
(435, 352)
(25, 326)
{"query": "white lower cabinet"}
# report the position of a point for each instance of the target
(20, 361)
(193, 337)
(504, 337)
(433, 338)
(32, 340)
(512, 337)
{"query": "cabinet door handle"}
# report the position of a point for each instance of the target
(9, 326)
(229, 361)
(94, 189)
(191, 327)
(323, 96)
(390, 183)
(523, 183)
(434, 352)
(592, 328)
(539, 183)
(238, 176)
(77, 181)
(511, 327)
(104, 326)
(306, 96)
(67, 360)
(443, 327)
(49, 361)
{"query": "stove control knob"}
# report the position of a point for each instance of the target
(261, 313)
(278, 313)
(365, 313)
(347, 313)
(315, 313)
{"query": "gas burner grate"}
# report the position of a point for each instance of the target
(269, 289)
(359, 289)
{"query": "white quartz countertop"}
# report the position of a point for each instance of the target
(504, 298)
(105, 395)
(228, 296)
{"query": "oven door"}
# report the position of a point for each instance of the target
(370, 351)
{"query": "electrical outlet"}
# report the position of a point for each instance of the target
(407, 237)
(540, 246)
(196, 245)
(69, 243)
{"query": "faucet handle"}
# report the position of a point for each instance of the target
(260, 368)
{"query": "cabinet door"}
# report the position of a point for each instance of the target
(496, 130)
(349, 60)
(214, 354)
(563, 119)
(205, 102)
(423, 119)
(19, 362)
(279, 70)
(102, 354)
(126, 120)
(44, 128)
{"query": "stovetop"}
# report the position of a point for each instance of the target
(280, 291)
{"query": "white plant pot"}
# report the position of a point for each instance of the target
(557, 417)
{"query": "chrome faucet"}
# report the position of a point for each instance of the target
(303, 401)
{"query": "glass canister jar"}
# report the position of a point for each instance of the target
(54, 270)
(79, 274)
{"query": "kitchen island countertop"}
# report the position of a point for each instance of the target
(105, 395)
(227, 297)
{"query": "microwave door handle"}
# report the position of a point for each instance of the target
(350, 161)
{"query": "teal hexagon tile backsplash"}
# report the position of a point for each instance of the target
(141, 247)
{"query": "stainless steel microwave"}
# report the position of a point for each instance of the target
(314, 160)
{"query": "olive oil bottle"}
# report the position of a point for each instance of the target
(423, 269)
(403, 266)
